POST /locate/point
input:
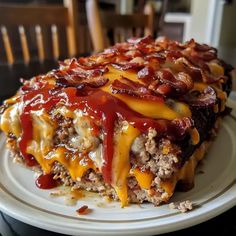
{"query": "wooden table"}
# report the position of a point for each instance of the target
(224, 224)
(10, 75)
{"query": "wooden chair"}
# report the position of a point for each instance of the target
(52, 16)
(123, 26)
(161, 17)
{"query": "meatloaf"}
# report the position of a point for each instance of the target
(130, 123)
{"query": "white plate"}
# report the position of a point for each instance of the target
(214, 193)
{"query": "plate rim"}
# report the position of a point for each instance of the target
(229, 202)
(15, 210)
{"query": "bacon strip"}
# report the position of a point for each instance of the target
(179, 127)
(180, 83)
(201, 99)
(126, 86)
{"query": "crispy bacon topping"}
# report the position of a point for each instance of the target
(146, 74)
(163, 74)
(145, 40)
(126, 86)
(164, 67)
(127, 66)
(150, 58)
(180, 82)
(83, 210)
(180, 126)
(78, 77)
(156, 56)
(201, 99)
(81, 83)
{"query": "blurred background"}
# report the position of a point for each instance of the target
(208, 21)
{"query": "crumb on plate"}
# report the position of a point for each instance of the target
(183, 206)
(84, 210)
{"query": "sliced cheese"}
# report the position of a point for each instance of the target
(121, 162)
(152, 109)
(220, 94)
(216, 69)
(76, 165)
(144, 178)
(12, 100)
(42, 142)
(186, 173)
(41, 147)
(10, 122)
(195, 136)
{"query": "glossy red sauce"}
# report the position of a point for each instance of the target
(46, 182)
(26, 124)
(33, 101)
(97, 104)
(83, 210)
(77, 90)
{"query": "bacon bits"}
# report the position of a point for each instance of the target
(74, 80)
(180, 82)
(180, 126)
(201, 99)
(144, 40)
(84, 210)
(46, 182)
(146, 74)
(129, 87)
(127, 66)
(166, 67)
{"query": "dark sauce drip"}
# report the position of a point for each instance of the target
(78, 82)
(46, 182)
(97, 104)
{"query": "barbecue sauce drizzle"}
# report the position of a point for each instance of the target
(46, 181)
(99, 104)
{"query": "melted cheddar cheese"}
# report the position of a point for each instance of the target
(144, 178)
(220, 94)
(147, 108)
(186, 173)
(10, 122)
(121, 162)
(41, 146)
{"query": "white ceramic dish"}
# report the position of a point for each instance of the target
(214, 193)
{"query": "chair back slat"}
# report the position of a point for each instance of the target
(138, 32)
(40, 44)
(95, 25)
(7, 45)
(129, 33)
(72, 27)
(123, 26)
(55, 42)
(24, 44)
(124, 21)
(149, 12)
(122, 34)
(32, 15)
(39, 29)
(116, 36)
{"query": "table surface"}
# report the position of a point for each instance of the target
(224, 224)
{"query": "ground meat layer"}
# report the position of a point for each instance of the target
(92, 181)
(160, 156)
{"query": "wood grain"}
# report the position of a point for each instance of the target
(123, 26)
(33, 15)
